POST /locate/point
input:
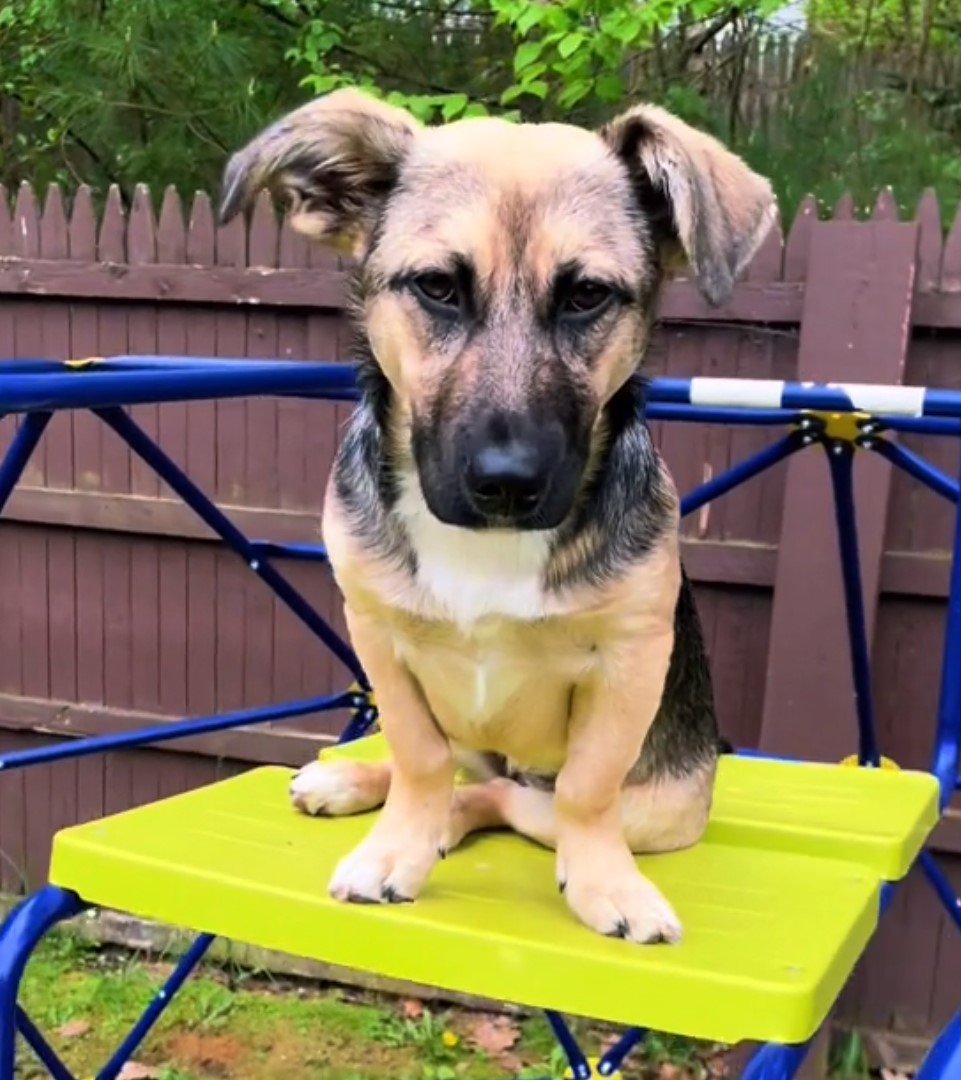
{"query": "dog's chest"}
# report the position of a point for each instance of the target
(497, 685)
(494, 652)
(467, 576)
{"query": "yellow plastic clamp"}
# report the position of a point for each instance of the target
(354, 688)
(886, 763)
(595, 1075)
(839, 426)
(87, 361)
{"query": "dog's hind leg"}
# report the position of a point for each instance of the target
(503, 804)
(341, 787)
(660, 816)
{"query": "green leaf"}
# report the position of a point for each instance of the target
(570, 43)
(512, 93)
(573, 92)
(609, 87)
(475, 108)
(532, 15)
(536, 88)
(526, 54)
(454, 106)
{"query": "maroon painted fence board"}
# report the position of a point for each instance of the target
(116, 609)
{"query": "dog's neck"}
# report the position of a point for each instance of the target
(474, 572)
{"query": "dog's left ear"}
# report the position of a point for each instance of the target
(710, 210)
(333, 161)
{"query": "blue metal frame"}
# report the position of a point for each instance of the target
(36, 388)
(841, 458)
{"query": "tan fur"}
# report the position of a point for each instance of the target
(723, 210)
(479, 652)
(586, 715)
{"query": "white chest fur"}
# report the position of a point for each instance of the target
(485, 650)
(470, 575)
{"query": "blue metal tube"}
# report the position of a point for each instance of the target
(19, 935)
(741, 472)
(267, 549)
(89, 388)
(20, 451)
(797, 395)
(176, 729)
(747, 751)
(948, 737)
(613, 1059)
(578, 1062)
(144, 447)
(359, 724)
(774, 1061)
(915, 465)
(700, 414)
(136, 379)
(99, 365)
(841, 459)
(943, 1060)
(939, 882)
(152, 1013)
(920, 425)
(39, 1045)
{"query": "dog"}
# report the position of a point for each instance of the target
(502, 529)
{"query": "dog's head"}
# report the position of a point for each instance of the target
(507, 275)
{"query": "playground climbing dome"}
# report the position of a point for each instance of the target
(799, 862)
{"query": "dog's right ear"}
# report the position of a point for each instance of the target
(332, 161)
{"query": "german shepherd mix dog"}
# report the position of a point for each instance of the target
(502, 529)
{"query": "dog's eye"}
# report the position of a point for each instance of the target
(436, 288)
(586, 298)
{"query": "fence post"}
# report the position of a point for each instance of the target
(855, 327)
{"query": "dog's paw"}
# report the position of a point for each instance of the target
(379, 871)
(624, 905)
(338, 788)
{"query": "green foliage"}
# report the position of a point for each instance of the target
(903, 24)
(108, 91)
(579, 51)
(829, 141)
(848, 1059)
(128, 91)
(86, 998)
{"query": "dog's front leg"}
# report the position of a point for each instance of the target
(610, 717)
(412, 831)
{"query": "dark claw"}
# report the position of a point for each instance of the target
(622, 930)
(390, 894)
(442, 852)
(358, 898)
(562, 887)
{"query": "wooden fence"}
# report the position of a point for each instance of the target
(116, 608)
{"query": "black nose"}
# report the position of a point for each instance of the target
(507, 479)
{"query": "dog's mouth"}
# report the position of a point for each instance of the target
(499, 471)
(502, 488)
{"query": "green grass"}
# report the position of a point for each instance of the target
(231, 1023)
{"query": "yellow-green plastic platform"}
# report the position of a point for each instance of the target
(777, 902)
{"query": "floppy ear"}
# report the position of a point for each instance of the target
(709, 211)
(332, 161)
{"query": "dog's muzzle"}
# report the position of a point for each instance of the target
(507, 481)
(510, 472)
